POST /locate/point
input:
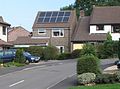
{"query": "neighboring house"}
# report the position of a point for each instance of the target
(16, 32)
(94, 28)
(4, 34)
(55, 28)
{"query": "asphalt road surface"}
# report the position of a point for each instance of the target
(39, 77)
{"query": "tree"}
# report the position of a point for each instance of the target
(87, 5)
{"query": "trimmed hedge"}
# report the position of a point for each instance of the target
(64, 56)
(105, 79)
(88, 63)
(86, 78)
(50, 53)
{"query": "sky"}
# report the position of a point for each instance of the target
(23, 12)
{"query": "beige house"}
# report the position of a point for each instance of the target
(56, 27)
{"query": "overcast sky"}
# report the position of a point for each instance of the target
(23, 12)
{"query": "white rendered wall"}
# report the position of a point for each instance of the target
(3, 37)
(107, 28)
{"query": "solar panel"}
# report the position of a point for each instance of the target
(48, 14)
(65, 19)
(46, 20)
(55, 14)
(61, 14)
(59, 19)
(67, 13)
(53, 17)
(40, 20)
(42, 14)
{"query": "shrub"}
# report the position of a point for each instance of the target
(64, 56)
(105, 78)
(76, 53)
(88, 63)
(50, 53)
(19, 56)
(117, 75)
(36, 50)
(88, 49)
(119, 49)
(86, 78)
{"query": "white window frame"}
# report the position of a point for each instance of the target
(42, 30)
(57, 29)
(4, 30)
(60, 47)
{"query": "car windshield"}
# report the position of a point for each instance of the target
(26, 53)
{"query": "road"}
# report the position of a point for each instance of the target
(38, 77)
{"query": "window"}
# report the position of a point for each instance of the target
(41, 31)
(61, 49)
(4, 30)
(116, 29)
(58, 33)
(99, 27)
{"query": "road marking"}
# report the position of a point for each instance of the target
(61, 81)
(16, 83)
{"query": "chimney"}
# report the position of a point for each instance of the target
(82, 13)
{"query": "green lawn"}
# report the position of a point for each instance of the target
(104, 86)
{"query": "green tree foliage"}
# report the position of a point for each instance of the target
(88, 49)
(87, 5)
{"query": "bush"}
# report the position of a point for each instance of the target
(117, 75)
(50, 53)
(19, 56)
(76, 53)
(64, 56)
(86, 78)
(36, 51)
(88, 63)
(105, 79)
(119, 49)
(88, 49)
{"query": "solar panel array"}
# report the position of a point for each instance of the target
(53, 17)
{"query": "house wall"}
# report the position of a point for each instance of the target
(107, 28)
(3, 37)
(56, 41)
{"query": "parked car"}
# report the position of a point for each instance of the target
(6, 56)
(31, 58)
(9, 55)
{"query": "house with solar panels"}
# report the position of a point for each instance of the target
(55, 28)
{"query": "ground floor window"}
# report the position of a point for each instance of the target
(61, 49)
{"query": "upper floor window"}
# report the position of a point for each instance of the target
(99, 27)
(58, 32)
(41, 31)
(4, 30)
(116, 29)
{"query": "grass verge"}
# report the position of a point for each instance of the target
(101, 86)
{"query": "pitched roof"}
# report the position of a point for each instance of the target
(29, 41)
(55, 24)
(2, 21)
(15, 32)
(3, 43)
(81, 33)
(105, 15)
